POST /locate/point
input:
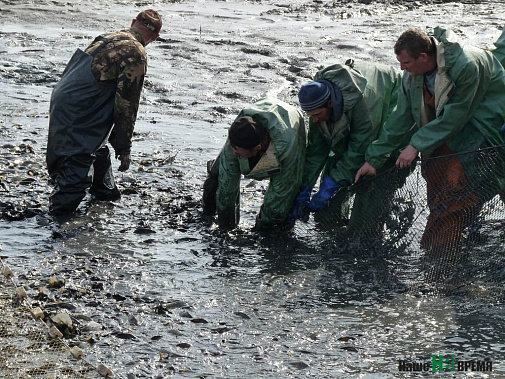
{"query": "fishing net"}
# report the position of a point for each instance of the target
(438, 226)
(30, 347)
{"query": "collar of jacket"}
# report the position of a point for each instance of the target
(267, 165)
(335, 131)
(337, 100)
(443, 82)
(138, 36)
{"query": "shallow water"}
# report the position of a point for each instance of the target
(175, 295)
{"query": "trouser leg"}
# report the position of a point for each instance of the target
(210, 187)
(104, 187)
(71, 178)
(452, 204)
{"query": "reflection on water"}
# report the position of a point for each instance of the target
(238, 304)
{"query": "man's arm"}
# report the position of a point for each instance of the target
(281, 193)
(318, 149)
(128, 90)
(228, 187)
(394, 133)
(284, 185)
(363, 129)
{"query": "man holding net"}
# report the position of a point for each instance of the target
(347, 104)
(452, 102)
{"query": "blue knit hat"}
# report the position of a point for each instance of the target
(313, 95)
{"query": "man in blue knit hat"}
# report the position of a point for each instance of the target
(347, 105)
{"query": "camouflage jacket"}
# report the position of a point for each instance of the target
(122, 63)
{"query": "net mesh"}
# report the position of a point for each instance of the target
(27, 348)
(438, 225)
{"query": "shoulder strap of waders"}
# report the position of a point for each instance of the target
(105, 42)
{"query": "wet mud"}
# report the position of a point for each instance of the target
(172, 294)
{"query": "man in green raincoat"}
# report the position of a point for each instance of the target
(267, 140)
(452, 101)
(347, 105)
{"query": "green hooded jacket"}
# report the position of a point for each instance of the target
(469, 102)
(369, 94)
(282, 164)
(499, 52)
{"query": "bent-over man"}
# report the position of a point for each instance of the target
(267, 140)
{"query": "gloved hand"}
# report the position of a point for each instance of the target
(299, 209)
(125, 162)
(326, 191)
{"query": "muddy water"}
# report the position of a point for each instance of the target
(176, 296)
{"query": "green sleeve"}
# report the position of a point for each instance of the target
(317, 154)
(281, 192)
(363, 130)
(228, 186)
(285, 184)
(394, 133)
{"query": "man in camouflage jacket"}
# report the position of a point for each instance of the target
(97, 101)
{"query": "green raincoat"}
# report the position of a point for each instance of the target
(499, 52)
(282, 164)
(469, 101)
(370, 93)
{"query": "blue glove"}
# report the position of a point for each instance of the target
(326, 191)
(299, 210)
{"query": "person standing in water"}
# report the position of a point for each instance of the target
(95, 101)
(451, 103)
